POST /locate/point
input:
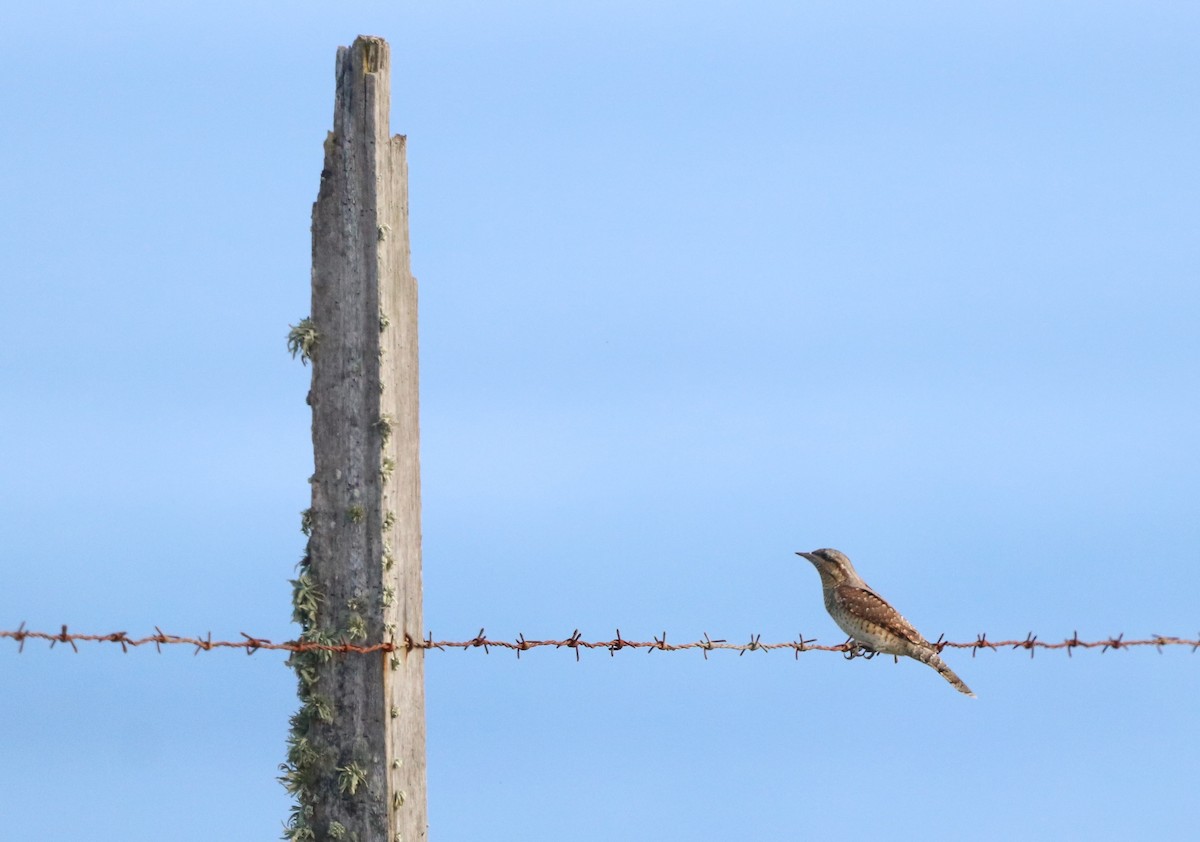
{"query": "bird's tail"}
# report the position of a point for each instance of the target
(931, 657)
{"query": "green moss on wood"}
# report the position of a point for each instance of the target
(351, 777)
(303, 339)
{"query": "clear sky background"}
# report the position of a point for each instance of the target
(702, 284)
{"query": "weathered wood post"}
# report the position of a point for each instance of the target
(356, 759)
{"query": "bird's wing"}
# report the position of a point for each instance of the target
(871, 606)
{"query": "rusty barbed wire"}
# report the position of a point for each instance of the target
(575, 641)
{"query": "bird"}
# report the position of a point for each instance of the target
(869, 619)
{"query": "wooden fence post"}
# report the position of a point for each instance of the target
(356, 759)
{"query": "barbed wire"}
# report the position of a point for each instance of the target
(575, 641)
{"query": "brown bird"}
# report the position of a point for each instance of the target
(868, 618)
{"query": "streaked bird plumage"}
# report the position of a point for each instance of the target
(868, 618)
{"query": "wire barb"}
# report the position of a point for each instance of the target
(616, 644)
(1074, 641)
(573, 642)
(940, 643)
(708, 645)
(429, 644)
(480, 640)
(1030, 642)
(801, 645)
(658, 644)
(753, 645)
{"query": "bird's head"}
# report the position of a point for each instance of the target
(833, 565)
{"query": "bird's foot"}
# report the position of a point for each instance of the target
(857, 649)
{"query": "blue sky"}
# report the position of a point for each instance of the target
(702, 284)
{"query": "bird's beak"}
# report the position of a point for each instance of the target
(808, 556)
